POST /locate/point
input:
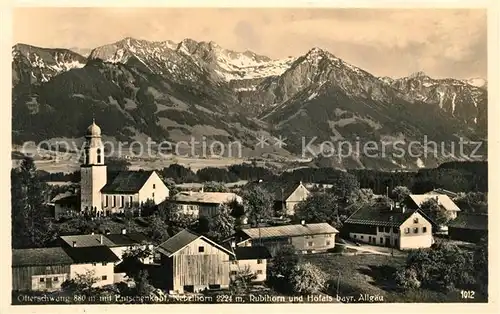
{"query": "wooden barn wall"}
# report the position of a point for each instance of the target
(191, 267)
(21, 276)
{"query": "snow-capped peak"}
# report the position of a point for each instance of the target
(477, 82)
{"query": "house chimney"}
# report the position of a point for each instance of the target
(102, 239)
(74, 243)
(124, 231)
(391, 206)
(233, 244)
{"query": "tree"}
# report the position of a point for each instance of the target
(344, 186)
(481, 266)
(284, 263)
(81, 284)
(213, 186)
(407, 278)
(172, 187)
(319, 207)
(133, 258)
(27, 192)
(437, 213)
(400, 193)
(258, 204)
(307, 278)
(143, 287)
(158, 229)
(363, 196)
(472, 202)
(221, 226)
(242, 280)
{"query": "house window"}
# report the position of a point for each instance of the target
(235, 262)
(387, 229)
(354, 236)
(327, 242)
(369, 239)
(259, 261)
(104, 277)
(201, 249)
(407, 230)
(42, 279)
(56, 279)
(105, 201)
(259, 271)
(87, 161)
(153, 196)
(114, 200)
(310, 244)
(94, 264)
(154, 186)
(424, 229)
(122, 201)
(415, 220)
(98, 155)
(104, 264)
(415, 230)
(130, 201)
(381, 240)
(362, 237)
(234, 272)
(380, 229)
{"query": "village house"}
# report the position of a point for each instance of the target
(64, 204)
(250, 259)
(202, 204)
(440, 191)
(40, 269)
(470, 227)
(128, 190)
(392, 226)
(286, 195)
(305, 238)
(192, 263)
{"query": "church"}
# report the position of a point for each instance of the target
(100, 196)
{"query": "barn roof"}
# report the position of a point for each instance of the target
(183, 238)
(470, 222)
(87, 240)
(91, 254)
(443, 200)
(252, 252)
(127, 182)
(119, 239)
(289, 230)
(376, 216)
(279, 190)
(40, 257)
(206, 197)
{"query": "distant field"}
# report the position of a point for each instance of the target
(193, 185)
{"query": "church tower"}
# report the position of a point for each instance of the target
(93, 170)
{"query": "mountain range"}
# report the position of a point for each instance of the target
(138, 89)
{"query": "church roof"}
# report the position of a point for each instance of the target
(93, 130)
(127, 182)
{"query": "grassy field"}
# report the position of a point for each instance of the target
(372, 275)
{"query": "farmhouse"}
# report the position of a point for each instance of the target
(397, 227)
(202, 204)
(250, 259)
(286, 195)
(43, 269)
(415, 201)
(305, 238)
(193, 263)
(469, 227)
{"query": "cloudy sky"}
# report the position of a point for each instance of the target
(385, 42)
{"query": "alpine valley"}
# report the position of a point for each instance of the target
(139, 89)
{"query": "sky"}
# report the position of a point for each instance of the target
(385, 42)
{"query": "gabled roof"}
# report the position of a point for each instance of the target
(443, 200)
(182, 239)
(252, 252)
(40, 257)
(280, 191)
(384, 217)
(87, 240)
(91, 254)
(67, 200)
(289, 230)
(127, 182)
(450, 194)
(205, 197)
(470, 222)
(134, 238)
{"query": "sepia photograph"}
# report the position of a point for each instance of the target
(231, 155)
